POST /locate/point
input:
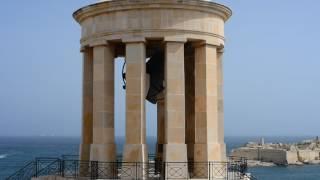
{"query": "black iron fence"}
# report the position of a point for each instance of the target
(71, 167)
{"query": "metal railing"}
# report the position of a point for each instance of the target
(70, 167)
(26, 172)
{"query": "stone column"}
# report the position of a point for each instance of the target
(175, 149)
(209, 137)
(160, 130)
(135, 149)
(103, 147)
(220, 103)
(87, 98)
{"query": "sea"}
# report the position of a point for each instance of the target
(15, 152)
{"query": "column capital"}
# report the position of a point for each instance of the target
(177, 39)
(219, 47)
(98, 42)
(137, 39)
(83, 49)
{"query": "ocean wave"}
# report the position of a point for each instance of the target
(2, 156)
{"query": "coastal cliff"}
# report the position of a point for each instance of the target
(270, 154)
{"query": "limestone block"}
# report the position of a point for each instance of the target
(104, 119)
(103, 135)
(84, 152)
(103, 152)
(135, 153)
(217, 151)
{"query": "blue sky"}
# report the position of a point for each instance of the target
(271, 68)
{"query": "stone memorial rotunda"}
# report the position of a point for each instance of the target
(173, 52)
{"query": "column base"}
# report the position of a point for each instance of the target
(102, 158)
(217, 152)
(135, 161)
(103, 152)
(176, 162)
(210, 152)
(135, 153)
(175, 153)
(210, 158)
(84, 167)
(84, 152)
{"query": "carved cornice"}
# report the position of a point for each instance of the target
(123, 5)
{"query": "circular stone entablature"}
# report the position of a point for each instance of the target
(193, 20)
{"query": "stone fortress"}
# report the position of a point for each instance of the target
(305, 152)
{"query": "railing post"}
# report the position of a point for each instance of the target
(36, 174)
(166, 170)
(62, 168)
(115, 172)
(94, 170)
(136, 170)
(209, 170)
(227, 170)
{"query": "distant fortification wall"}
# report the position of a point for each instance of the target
(273, 155)
(277, 156)
(251, 154)
(308, 155)
(267, 155)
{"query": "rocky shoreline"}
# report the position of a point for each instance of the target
(255, 163)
